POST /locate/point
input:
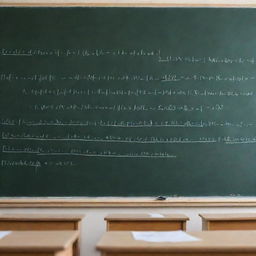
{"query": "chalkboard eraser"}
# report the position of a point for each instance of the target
(161, 198)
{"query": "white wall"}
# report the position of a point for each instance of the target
(93, 225)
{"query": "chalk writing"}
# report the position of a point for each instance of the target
(131, 108)
(203, 60)
(20, 163)
(134, 93)
(79, 52)
(106, 139)
(165, 78)
(115, 139)
(158, 55)
(205, 77)
(127, 124)
(112, 104)
(35, 164)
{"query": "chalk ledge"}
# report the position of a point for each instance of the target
(111, 202)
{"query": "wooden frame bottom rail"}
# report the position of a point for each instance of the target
(101, 202)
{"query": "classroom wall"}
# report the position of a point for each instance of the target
(93, 225)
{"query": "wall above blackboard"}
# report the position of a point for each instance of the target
(127, 102)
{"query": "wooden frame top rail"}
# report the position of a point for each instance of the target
(127, 3)
(105, 202)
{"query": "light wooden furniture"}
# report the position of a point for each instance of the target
(236, 221)
(144, 222)
(42, 222)
(38, 243)
(211, 243)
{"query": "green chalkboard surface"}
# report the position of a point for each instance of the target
(127, 101)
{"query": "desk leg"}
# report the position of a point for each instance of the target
(76, 248)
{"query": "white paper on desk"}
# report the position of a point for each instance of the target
(4, 233)
(156, 215)
(164, 236)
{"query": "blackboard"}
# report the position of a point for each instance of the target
(127, 101)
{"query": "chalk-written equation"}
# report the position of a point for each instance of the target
(156, 54)
(124, 77)
(168, 106)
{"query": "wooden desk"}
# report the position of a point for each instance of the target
(144, 222)
(240, 221)
(35, 243)
(42, 222)
(212, 243)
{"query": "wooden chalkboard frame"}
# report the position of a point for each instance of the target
(112, 202)
(118, 3)
(131, 202)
